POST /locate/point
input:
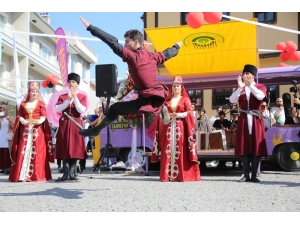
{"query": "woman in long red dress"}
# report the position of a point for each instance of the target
(32, 144)
(176, 139)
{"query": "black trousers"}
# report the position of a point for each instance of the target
(130, 107)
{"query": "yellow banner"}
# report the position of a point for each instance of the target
(213, 49)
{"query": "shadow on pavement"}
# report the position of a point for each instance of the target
(58, 192)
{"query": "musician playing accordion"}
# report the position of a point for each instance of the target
(70, 146)
(250, 134)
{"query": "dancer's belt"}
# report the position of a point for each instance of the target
(253, 113)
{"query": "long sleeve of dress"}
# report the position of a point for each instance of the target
(61, 107)
(23, 121)
(181, 115)
(79, 107)
(41, 120)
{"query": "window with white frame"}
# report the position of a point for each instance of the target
(73, 65)
(31, 41)
(45, 51)
(3, 21)
(83, 73)
(2, 73)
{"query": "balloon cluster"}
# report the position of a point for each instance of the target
(50, 81)
(196, 19)
(288, 52)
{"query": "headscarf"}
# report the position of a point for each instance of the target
(178, 80)
(33, 86)
(5, 107)
(6, 112)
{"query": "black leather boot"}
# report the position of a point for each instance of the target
(66, 171)
(246, 162)
(73, 168)
(255, 162)
(92, 132)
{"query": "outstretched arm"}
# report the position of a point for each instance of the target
(171, 52)
(108, 39)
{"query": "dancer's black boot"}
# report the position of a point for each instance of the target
(73, 173)
(92, 132)
(66, 171)
(255, 162)
(246, 162)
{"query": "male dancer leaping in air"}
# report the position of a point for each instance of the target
(143, 68)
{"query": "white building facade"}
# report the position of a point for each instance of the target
(37, 56)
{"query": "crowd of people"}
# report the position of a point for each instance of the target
(28, 143)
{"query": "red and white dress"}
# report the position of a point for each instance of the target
(32, 145)
(176, 143)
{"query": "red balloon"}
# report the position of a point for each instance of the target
(195, 19)
(49, 77)
(44, 84)
(145, 45)
(213, 17)
(284, 56)
(54, 81)
(291, 47)
(282, 65)
(281, 46)
(295, 56)
(56, 76)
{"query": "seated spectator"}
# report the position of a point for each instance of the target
(215, 117)
(202, 121)
(278, 112)
(295, 115)
(270, 118)
(222, 123)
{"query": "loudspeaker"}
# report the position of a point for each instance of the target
(106, 80)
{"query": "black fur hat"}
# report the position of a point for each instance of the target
(250, 68)
(74, 76)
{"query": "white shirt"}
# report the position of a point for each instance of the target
(3, 133)
(281, 119)
(251, 89)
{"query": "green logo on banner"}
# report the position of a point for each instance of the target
(203, 40)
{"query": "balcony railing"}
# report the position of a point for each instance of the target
(73, 33)
(8, 85)
(33, 47)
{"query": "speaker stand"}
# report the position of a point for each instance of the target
(108, 146)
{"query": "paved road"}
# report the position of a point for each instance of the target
(218, 191)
